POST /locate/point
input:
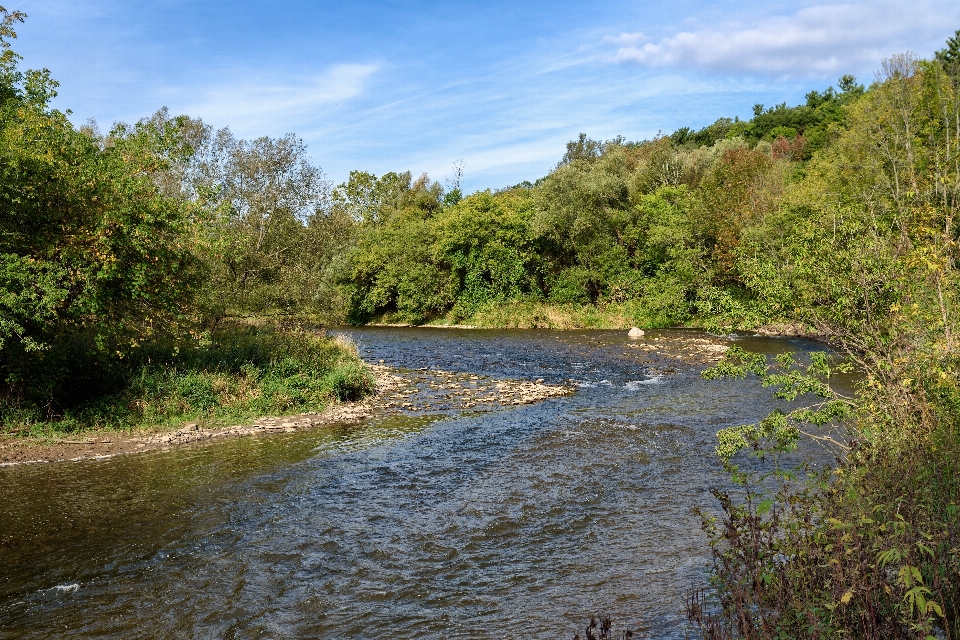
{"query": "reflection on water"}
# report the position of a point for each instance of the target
(516, 523)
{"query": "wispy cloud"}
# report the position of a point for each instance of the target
(813, 41)
(258, 98)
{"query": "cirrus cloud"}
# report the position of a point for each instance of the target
(255, 99)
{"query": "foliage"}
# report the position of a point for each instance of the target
(950, 55)
(808, 123)
(118, 246)
(238, 373)
(867, 550)
(666, 224)
(628, 224)
(94, 259)
(867, 243)
(392, 267)
(485, 242)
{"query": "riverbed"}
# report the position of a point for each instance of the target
(469, 522)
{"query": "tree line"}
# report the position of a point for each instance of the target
(165, 228)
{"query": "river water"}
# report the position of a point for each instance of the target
(516, 523)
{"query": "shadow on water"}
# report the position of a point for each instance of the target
(516, 523)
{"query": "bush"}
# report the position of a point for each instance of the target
(869, 549)
(349, 382)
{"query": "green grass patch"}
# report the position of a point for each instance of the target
(239, 374)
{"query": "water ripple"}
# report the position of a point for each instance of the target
(516, 523)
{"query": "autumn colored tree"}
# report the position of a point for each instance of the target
(743, 186)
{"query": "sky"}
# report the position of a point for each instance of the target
(420, 85)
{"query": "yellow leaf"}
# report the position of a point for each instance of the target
(845, 598)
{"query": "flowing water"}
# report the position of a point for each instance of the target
(517, 523)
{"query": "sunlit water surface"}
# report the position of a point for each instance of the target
(519, 523)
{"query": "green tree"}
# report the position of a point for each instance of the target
(94, 258)
(583, 148)
(867, 245)
(392, 269)
(486, 242)
(950, 55)
(267, 206)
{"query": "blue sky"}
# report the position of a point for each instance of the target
(397, 85)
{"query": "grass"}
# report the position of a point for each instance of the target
(241, 373)
(537, 314)
(542, 315)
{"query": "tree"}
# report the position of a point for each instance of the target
(94, 258)
(740, 189)
(867, 247)
(454, 193)
(260, 197)
(583, 148)
(848, 85)
(950, 55)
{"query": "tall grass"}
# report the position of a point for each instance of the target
(239, 373)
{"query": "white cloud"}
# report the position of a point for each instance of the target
(814, 41)
(257, 98)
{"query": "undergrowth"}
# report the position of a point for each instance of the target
(238, 373)
(869, 549)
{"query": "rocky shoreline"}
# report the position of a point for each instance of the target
(397, 392)
(697, 350)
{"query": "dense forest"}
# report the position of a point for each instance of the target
(165, 270)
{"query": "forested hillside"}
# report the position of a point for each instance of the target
(671, 231)
(659, 227)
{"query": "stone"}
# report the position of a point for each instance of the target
(635, 332)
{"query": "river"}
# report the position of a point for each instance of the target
(516, 523)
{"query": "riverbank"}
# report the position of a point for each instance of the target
(234, 374)
(528, 315)
(396, 391)
(571, 317)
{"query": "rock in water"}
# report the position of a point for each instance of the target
(635, 333)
